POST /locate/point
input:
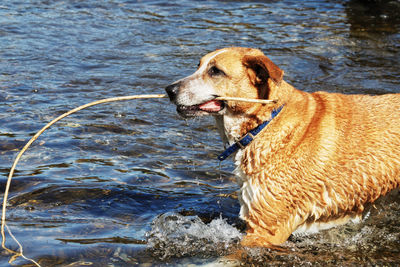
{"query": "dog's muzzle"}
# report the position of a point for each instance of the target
(207, 107)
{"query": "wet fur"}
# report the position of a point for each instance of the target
(317, 164)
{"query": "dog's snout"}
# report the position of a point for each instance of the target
(172, 90)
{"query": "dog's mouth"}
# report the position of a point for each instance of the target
(211, 107)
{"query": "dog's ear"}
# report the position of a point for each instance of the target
(261, 68)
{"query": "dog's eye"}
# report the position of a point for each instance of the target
(214, 71)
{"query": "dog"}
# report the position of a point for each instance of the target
(304, 162)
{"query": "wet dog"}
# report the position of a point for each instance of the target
(308, 161)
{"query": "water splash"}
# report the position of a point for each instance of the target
(174, 236)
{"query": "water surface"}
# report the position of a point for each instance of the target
(132, 183)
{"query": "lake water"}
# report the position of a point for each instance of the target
(131, 183)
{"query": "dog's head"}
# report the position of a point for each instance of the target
(229, 72)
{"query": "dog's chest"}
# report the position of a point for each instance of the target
(248, 191)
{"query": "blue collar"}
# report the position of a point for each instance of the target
(249, 137)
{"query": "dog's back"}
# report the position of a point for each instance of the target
(365, 160)
(332, 155)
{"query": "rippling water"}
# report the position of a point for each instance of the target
(132, 183)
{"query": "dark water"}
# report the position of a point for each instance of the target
(131, 183)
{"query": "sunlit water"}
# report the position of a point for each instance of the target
(132, 183)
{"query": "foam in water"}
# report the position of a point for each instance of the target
(174, 235)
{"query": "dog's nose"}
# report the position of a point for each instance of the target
(172, 90)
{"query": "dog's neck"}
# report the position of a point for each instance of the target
(232, 126)
(249, 137)
(229, 127)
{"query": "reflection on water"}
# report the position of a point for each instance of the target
(373, 17)
(132, 183)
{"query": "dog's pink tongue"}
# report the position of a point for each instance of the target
(212, 106)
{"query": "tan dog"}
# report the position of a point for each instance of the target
(319, 161)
